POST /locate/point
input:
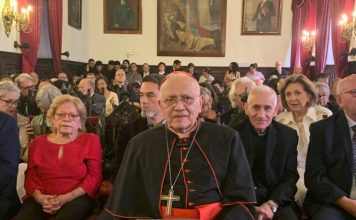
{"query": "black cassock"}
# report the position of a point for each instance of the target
(216, 170)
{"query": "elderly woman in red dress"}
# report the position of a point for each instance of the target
(64, 167)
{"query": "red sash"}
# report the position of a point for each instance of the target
(202, 212)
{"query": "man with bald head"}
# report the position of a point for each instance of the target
(185, 168)
(330, 172)
(271, 149)
(94, 102)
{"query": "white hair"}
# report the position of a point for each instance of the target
(245, 81)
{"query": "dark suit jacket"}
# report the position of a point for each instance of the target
(328, 174)
(94, 106)
(126, 132)
(280, 159)
(9, 161)
(284, 73)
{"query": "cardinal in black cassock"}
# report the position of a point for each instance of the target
(185, 168)
(216, 172)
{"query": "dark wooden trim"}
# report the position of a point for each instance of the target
(10, 63)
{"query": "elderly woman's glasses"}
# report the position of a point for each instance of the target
(71, 116)
(10, 102)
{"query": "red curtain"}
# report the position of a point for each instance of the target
(323, 30)
(55, 31)
(337, 8)
(29, 56)
(304, 18)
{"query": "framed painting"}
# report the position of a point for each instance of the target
(261, 17)
(122, 17)
(75, 13)
(191, 28)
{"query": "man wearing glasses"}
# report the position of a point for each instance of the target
(330, 174)
(27, 105)
(185, 168)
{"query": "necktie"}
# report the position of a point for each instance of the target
(354, 150)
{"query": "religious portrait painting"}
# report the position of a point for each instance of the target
(122, 17)
(191, 28)
(261, 17)
(75, 13)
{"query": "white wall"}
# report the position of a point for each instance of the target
(77, 41)
(91, 41)
(7, 43)
(264, 50)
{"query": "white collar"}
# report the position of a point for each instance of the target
(311, 114)
(350, 122)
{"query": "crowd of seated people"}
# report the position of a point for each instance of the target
(52, 112)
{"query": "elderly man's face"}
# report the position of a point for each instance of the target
(83, 87)
(181, 102)
(239, 93)
(63, 76)
(261, 108)
(347, 96)
(149, 100)
(25, 87)
(324, 94)
(8, 103)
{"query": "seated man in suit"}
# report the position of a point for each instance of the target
(93, 102)
(271, 150)
(330, 172)
(278, 71)
(9, 161)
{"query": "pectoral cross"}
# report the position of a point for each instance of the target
(170, 198)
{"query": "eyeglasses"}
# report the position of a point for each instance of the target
(10, 102)
(186, 100)
(71, 116)
(351, 92)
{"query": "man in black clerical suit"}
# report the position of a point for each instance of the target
(151, 116)
(94, 102)
(271, 149)
(330, 172)
(185, 168)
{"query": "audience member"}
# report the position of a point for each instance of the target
(151, 116)
(271, 149)
(330, 173)
(238, 96)
(26, 105)
(119, 83)
(191, 71)
(93, 102)
(323, 97)
(231, 74)
(9, 154)
(64, 168)
(299, 97)
(44, 99)
(111, 98)
(133, 76)
(253, 73)
(161, 68)
(205, 76)
(278, 71)
(145, 70)
(209, 186)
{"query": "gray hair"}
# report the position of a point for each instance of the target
(321, 85)
(263, 89)
(45, 96)
(244, 81)
(22, 77)
(8, 86)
